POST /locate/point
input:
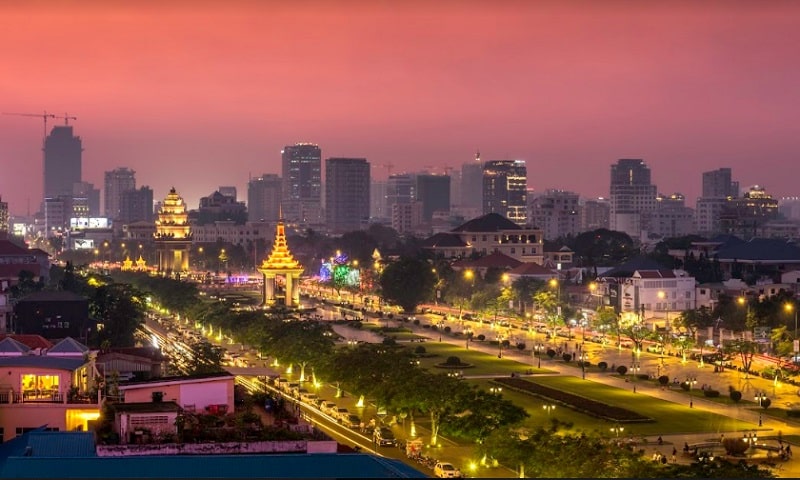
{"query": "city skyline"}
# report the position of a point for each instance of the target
(204, 94)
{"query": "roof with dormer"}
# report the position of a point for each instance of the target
(69, 346)
(491, 222)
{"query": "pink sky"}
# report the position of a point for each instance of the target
(201, 94)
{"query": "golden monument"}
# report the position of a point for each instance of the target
(281, 263)
(173, 235)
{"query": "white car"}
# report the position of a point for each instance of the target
(446, 470)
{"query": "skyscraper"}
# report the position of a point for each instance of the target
(62, 161)
(302, 182)
(505, 184)
(117, 182)
(471, 183)
(718, 191)
(631, 193)
(718, 184)
(136, 206)
(433, 192)
(401, 188)
(377, 200)
(3, 216)
(346, 193)
(264, 198)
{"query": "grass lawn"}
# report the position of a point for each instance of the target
(670, 417)
(484, 363)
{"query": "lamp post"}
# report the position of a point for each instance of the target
(548, 407)
(495, 390)
(760, 397)
(617, 430)
(790, 307)
(691, 381)
(750, 439)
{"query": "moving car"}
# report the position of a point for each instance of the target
(446, 470)
(351, 421)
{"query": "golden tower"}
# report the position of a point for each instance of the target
(281, 262)
(173, 235)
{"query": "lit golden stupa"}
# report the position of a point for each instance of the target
(173, 235)
(280, 262)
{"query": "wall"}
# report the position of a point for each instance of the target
(198, 394)
(54, 415)
(229, 448)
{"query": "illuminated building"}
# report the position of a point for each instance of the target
(302, 182)
(505, 184)
(280, 262)
(631, 195)
(744, 216)
(117, 182)
(173, 235)
(3, 216)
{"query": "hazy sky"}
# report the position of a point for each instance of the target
(201, 94)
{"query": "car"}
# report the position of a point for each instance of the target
(340, 413)
(446, 470)
(328, 407)
(308, 397)
(351, 421)
(383, 436)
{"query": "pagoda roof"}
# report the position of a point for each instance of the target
(280, 258)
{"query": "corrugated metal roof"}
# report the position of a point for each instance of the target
(43, 361)
(211, 466)
(62, 444)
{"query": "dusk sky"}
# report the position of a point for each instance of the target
(202, 94)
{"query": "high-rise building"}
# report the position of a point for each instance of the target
(62, 161)
(406, 217)
(557, 213)
(505, 185)
(3, 216)
(433, 192)
(671, 217)
(228, 191)
(346, 193)
(302, 183)
(377, 200)
(718, 184)
(117, 182)
(136, 206)
(471, 183)
(401, 188)
(595, 214)
(92, 195)
(743, 216)
(631, 195)
(264, 198)
(718, 191)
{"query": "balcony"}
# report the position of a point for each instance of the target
(46, 396)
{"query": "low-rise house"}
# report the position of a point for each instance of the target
(211, 392)
(144, 421)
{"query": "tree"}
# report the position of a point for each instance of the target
(482, 413)
(119, 310)
(746, 349)
(205, 358)
(546, 300)
(301, 343)
(407, 282)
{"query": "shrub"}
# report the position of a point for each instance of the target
(416, 321)
(567, 357)
(711, 393)
(663, 380)
(735, 446)
(425, 326)
(736, 396)
(685, 386)
(793, 412)
(389, 341)
(420, 350)
(452, 361)
(447, 329)
(356, 324)
(505, 343)
(434, 327)
(642, 376)
(551, 353)
(481, 337)
(622, 369)
(520, 346)
(603, 366)
(585, 364)
(766, 403)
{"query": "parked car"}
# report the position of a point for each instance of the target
(328, 407)
(446, 470)
(340, 413)
(351, 421)
(308, 397)
(383, 436)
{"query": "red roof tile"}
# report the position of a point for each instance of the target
(31, 341)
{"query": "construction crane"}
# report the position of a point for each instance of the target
(44, 116)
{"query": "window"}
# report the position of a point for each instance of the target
(24, 430)
(39, 384)
(149, 420)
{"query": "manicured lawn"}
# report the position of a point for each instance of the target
(484, 363)
(669, 417)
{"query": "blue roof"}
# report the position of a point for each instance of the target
(761, 249)
(43, 361)
(69, 345)
(9, 345)
(318, 465)
(62, 444)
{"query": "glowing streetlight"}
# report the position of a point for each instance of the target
(617, 430)
(549, 407)
(790, 307)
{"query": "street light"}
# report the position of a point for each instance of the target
(495, 390)
(760, 397)
(691, 381)
(789, 307)
(617, 430)
(549, 407)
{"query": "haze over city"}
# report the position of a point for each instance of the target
(202, 94)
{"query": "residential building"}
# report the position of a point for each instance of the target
(377, 200)
(117, 182)
(718, 184)
(53, 315)
(407, 217)
(218, 207)
(671, 217)
(718, 190)
(556, 212)
(743, 216)
(302, 183)
(46, 387)
(505, 184)
(62, 161)
(136, 206)
(631, 194)
(264, 198)
(595, 214)
(400, 189)
(347, 193)
(199, 393)
(228, 191)
(789, 207)
(433, 192)
(490, 233)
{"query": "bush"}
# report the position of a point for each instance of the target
(416, 321)
(735, 446)
(551, 353)
(505, 343)
(481, 337)
(452, 361)
(642, 376)
(622, 369)
(447, 329)
(356, 324)
(736, 396)
(766, 403)
(434, 328)
(663, 380)
(567, 357)
(603, 366)
(685, 386)
(793, 412)
(520, 346)
(711, 393)
(420, 350)
(585, 364)
(425, 326)
(389, 341)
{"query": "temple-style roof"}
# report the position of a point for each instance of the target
(280, 258)
(491, 222)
